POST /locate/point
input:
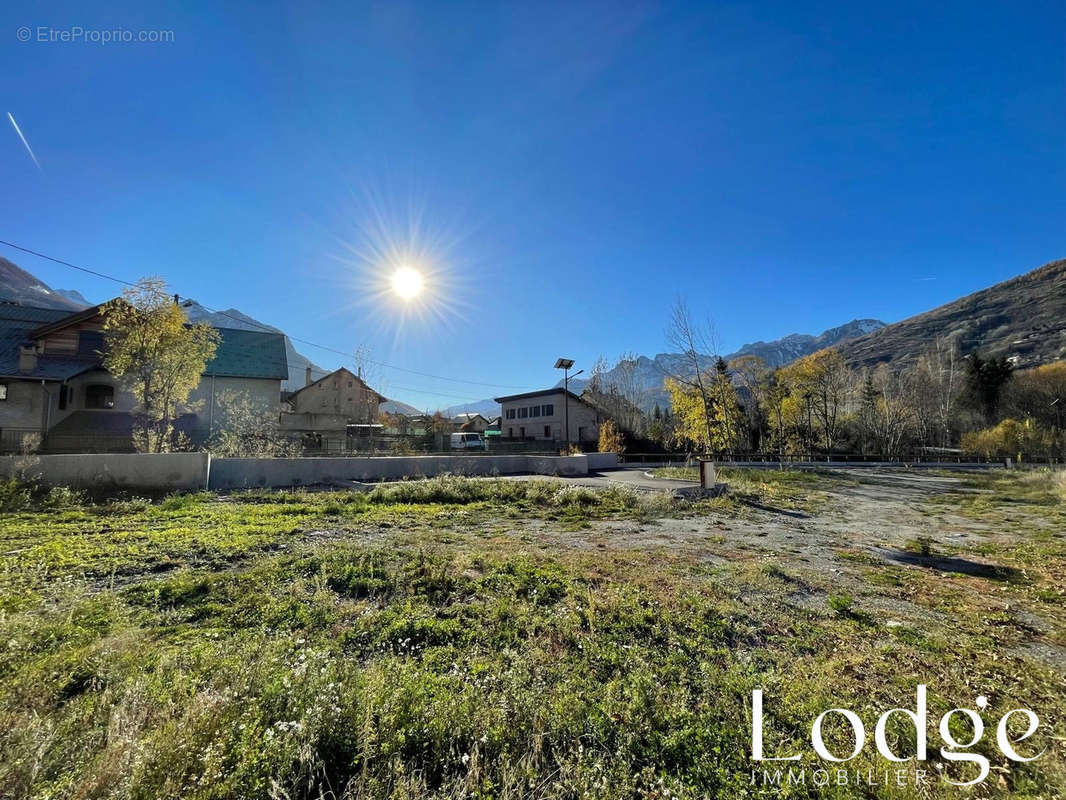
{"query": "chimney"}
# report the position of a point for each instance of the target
(307, 376)
(27, 358)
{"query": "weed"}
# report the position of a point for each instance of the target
(841, 604)
(14, 496)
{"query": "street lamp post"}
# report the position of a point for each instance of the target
(565, 364)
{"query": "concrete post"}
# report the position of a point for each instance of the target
(708, 474)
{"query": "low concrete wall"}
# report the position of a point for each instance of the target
(242, 473)
(184, 471)
(173, 471)
(602, 460)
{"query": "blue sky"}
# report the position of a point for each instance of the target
(561, 171)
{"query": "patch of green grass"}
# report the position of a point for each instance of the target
(436, 640)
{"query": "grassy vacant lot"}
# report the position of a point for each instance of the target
(459, 638)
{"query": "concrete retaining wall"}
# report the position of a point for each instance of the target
(184, 471)
(171, 471)
(602, 460)
(241, 473)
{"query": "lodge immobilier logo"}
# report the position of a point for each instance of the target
(1007, 736)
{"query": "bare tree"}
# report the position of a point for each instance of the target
(369, 372)
(754, 377)
(617, 391)
(695, 342)
(937, 383)
(249, 428)
(893, 412)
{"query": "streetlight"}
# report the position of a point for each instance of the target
(564, 364)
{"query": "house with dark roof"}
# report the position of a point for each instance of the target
(56, 395)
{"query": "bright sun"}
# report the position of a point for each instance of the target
(407, 283)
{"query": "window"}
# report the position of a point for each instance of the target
(547, 431)
(3, 391)
(99, 395)
(522, 432)
(548, 409)
(523, 413)
(510, 433)
(510, 413)
(534, 411)
(90, 343)
(64, 396)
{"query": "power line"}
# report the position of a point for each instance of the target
(66, 263)
(267, 328)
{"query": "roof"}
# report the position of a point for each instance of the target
(240, 353)
(69, 318)
(531, 395)
(16, 324)
(466, 415)
(345, 370)
(14, 312)
(249, 354)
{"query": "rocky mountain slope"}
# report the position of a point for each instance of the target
(18, 285)
(1023, 318)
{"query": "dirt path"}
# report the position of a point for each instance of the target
(868, 520)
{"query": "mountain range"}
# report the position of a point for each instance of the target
(645, 375)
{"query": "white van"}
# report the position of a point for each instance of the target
(468, 441)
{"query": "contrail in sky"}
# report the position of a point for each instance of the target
(25, 144)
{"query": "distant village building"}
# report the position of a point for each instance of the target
(56, 395)
(470, 423)
(327, 407)
(540, 415)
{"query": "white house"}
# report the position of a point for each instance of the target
(542, 416)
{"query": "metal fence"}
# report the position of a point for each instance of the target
(837, 458)
(394, 445)
(19, 440)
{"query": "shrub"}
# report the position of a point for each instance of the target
(1010, 439)
(922, 545)
(128, 505)
(611, 440)
(62, 497)
(13, 495)
(178, 502)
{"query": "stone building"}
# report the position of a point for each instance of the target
(327, 407)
